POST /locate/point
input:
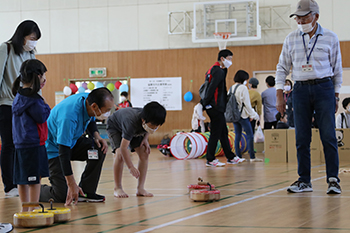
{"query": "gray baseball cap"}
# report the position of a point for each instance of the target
(304, 7)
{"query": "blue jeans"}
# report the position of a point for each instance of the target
(307, 99)
(245, 123)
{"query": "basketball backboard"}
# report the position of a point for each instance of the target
(239, 17)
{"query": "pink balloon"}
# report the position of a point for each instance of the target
(117, 85)
(73, 87)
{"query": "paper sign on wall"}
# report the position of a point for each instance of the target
(166, 91)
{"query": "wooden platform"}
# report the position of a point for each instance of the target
(253, 199)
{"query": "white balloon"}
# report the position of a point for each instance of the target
(67, 91)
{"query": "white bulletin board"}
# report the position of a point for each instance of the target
(166, 91)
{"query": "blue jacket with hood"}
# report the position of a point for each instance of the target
(29, 115)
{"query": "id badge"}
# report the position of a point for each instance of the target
(93, 154)
(307, 68)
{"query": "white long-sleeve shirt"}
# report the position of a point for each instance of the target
(198, 118)
(242, 96)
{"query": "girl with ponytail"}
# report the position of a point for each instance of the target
(29, 128)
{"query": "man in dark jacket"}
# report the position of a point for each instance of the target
(215, 104)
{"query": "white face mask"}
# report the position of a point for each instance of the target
(30, 45)
(227, 63)
(348, 108)
(245, 82)
(306, 28)
(287, 88)
(103, 116)
(148, 129)
(122, 98)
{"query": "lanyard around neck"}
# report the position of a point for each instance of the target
(92, 139)
(312, 49)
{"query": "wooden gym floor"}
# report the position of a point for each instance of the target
(253, 199)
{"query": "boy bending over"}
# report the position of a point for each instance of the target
(128, 130)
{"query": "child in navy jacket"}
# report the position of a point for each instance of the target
(29, 114)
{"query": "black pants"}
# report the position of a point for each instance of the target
(7, 147)
(218, 131)
(89, 179)
(268, 125)
(252, 123)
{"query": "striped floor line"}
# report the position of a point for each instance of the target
(192, 207)
(216, 209)
(134, 206)
(263, 227)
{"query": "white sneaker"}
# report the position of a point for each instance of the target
(215, 163)
(12, 193)
(256, 160)
(6, 227)
(236, 160)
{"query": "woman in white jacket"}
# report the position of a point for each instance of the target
(198, 119)
(248, 114)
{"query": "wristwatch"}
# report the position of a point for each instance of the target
(337, 98)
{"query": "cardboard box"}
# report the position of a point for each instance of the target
(315, 146)
(259, 147)
(276, 145)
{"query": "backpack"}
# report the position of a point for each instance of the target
(203, 89)
(232, 113)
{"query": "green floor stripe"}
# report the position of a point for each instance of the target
(192, 207)
(238, 182)
(130, 207)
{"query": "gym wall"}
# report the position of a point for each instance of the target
(190, 64)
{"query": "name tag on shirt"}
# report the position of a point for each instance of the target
(307, 68)
(93, 154)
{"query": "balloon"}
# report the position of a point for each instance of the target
(73, 87)
(91, 86)
(123, 88)
(84, 85)
(67, 91)
(99, 84)
(188, 96)
(110, 87)
(117, 84)
(81, 90)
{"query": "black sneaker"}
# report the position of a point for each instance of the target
(299, 186)
(333, 186)
(91, 198)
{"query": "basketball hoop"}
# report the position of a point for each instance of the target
(222, 39)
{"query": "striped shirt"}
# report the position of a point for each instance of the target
(325, 58)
